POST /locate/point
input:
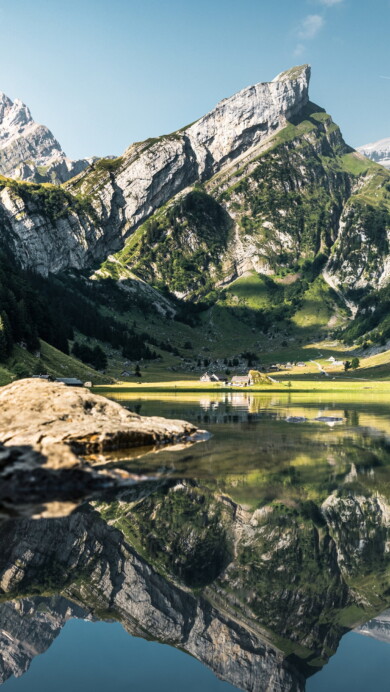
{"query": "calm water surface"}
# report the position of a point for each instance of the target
(241, 562)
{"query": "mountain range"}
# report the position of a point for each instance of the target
(257, 210)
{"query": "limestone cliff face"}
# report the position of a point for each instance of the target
(29, 151)
(282, 187)
(377, 628)
(246, 119)
(124, 192)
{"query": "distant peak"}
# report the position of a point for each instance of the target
(294, 73)
(5, 103)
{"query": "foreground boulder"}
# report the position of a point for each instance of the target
(42, 414)
(47, 430)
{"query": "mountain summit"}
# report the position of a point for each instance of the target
(29, 151)
(261, 183)
(259, 210)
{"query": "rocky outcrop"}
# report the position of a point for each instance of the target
(281, 183)
(29, 151)
(377, 151)
(45, 428)
(50, 416)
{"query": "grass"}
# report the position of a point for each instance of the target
(249, 290)
(317, 308)
(302, 386)
(371, 379)
(51, 362)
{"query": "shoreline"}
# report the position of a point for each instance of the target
(368, 387)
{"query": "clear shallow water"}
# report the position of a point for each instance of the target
(251, 555)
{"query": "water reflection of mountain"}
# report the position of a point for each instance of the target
(101, 575)
(377, 628)
(260, 595)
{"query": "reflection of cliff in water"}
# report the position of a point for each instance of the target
(262, 595)
(377, 628)
(101, 575)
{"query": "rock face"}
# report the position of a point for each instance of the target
(29, 151)
(284, 586)
(112, 577)
(28, 628)
(261, 182)
(377, 151)
(124, 192)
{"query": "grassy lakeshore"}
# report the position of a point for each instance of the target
(368, 388)
(371, 379)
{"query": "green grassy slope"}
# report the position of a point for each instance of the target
(21, 363)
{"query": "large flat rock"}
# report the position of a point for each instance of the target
(42, 414)
(47, 429)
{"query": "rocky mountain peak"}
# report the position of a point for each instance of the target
(5, 104)
(248, 117)
(150, 173)
(15, 116)
(29, 151)
(297, 73)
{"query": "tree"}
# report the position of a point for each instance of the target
(355, 362)
(6, 341)
(347, 365)
(138, 371)
(99, 358)
(3, 341)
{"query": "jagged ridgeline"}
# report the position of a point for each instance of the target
(258, 208)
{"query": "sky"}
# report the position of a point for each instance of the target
(102, 74)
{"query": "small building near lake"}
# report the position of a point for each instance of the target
(210, 378)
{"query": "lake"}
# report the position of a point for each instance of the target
(255, 559)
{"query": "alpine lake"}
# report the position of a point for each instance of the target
(255, 559)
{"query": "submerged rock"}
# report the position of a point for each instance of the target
(296, 419)
(330, 420)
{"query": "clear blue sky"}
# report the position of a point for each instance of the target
(104, 73)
